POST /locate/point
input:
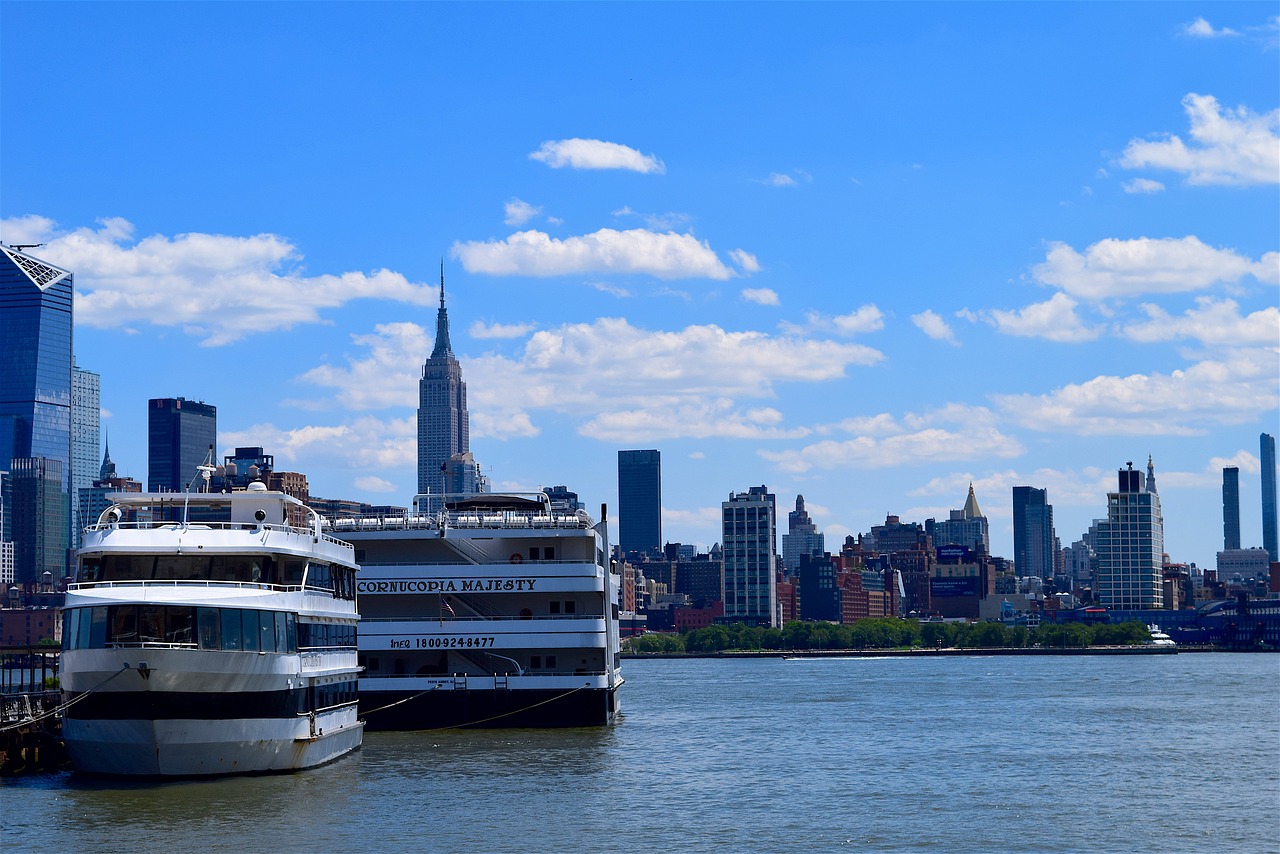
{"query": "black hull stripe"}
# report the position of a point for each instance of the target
(488, 709)
(188, 705)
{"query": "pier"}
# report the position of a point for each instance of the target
(30, 725)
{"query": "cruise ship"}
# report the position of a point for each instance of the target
(494, 611)
(209, 634)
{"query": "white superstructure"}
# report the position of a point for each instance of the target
(494, 611)
(207, 634)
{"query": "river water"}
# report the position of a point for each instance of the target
(1076, 753)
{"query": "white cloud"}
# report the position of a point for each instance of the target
(614, 290)
(645, 383)
(1233, 390)
(669, 221)
(746, 262)
(596, 154)
(954, 432)
(366, 443)
(783, 179)
(867, 318)
(1142, 185)
(1200, 28)
(931, 323)
(1115, 268)
(762, 296)
(635, 251)
(1213, 322)
(518, 212)
(1053, 320)
(479, 329)
(217, 286)
(372, 483)
(1234, 147)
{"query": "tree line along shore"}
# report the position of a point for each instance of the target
(888, 633)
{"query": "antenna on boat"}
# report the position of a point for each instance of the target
(204, 470)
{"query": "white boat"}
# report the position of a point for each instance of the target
(209, 633)
(495, 611)
(1159, 637)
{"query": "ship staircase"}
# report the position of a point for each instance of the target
(467, 550)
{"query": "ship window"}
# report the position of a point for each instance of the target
(535, 662)
(570, 607)
(124, 625)
(151, 623)
(535, 553)
(231, 629)
(551, 662)
(249, 631)
(549, 553)
(267, 631)
(291, 631)
(98, 629)
(293, 567)
(70, 628)
(281, 632)
(90, 569)
(210, 628)
(179, 624)
(555, 607)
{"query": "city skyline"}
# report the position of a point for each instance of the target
(798, 257)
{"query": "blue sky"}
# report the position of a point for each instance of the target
(868, 253)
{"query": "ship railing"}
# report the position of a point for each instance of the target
(487, 561)
(151, 644)
(193, 582)
(212, 525)
(459, 520)
(493, 618)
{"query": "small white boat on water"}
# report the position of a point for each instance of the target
(1159, 637)
(209, 634)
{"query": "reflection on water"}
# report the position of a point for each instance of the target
(1073, 754)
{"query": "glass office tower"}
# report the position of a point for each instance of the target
(180, 433)
(35, 408)
(639, 501)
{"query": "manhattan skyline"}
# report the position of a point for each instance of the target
(864, 253)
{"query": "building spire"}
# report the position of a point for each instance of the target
(442, 347)
(108, 469)
(971, 509)
(1151, 474)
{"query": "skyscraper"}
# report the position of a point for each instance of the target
(1267, 452)
(1033, 536)
(639, 501)
(1130, 545)
(749, 535)
(443, 423)
(1230, 508)
(86, 440)
(802, 538)
(966, 527)
(35, 410)
(180, 433)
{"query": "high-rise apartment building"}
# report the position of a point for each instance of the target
(749, 538)
(1033, 536)
(35, 410)
(444, 427)
(1130, 545)
(639, 501)
(1230, 508)
(1267, 453)
(86, 440)
(180, 433)
(802, 538)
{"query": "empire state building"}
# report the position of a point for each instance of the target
(443, 430)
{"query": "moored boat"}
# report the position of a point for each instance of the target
(208, 634)
(495, 611)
